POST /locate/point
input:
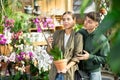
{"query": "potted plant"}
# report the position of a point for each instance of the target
(59, 60)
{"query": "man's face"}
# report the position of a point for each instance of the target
(90, 24)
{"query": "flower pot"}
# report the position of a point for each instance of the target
(27, 69)
(60, 64)
(6, 49)
(3, 68)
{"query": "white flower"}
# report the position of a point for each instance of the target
(23, 62)
(44, 60)
(16, 67)
(12, 57)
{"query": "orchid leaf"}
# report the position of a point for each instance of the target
(56, 53)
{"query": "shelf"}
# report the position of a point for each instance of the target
(57, 18)
(39, 43)
(43, 43)
(44, 29)
(60, 27)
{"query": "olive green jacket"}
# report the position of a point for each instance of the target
(72, 48)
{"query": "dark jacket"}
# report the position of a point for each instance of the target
(98, 47)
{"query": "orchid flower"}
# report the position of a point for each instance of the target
(3, 40)
(46, 23)
(9, 23)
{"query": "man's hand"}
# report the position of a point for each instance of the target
(83, 56)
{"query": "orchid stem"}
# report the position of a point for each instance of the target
(46, 39)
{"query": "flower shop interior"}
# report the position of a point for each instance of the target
(24, 28)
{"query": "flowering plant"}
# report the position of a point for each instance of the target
(3, 40)
(24, 56)
(9, 23)
(37, 59)
(25, 59)
(42, 23)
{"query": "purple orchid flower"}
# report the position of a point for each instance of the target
(51, 25)
(38, 27)
(3, 40)
(1, 35)
(45, 24)
(31, 55)
(36, 20)
(49, 20)
(9, 23)
(22, 54)
(48, 23)
(19, 57)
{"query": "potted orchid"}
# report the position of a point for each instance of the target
(5, 40)
(5, 48)
(24, 63)
(57, 54)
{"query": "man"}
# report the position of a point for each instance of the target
(95, 49)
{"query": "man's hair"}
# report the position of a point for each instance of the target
(94, 16)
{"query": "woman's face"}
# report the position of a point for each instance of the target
(68, 21)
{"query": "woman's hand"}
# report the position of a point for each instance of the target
(68, 66)
(50, 40)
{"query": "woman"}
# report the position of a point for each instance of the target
(70, 43)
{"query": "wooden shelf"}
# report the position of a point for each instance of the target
(43, 43)
(39, 43)
(44, 29)
(60, 27)
(58, 18)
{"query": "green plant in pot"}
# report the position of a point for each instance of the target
(56, 53)
(59, 60)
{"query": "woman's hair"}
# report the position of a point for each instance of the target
(94, 16)
(70, 13)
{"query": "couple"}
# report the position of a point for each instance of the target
(74, 45)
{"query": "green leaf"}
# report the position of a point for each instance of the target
(1, 29)
(56, 53)
(34, 70)
(84, 5)
(114, 56)
(17, 76)
(78, 27)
